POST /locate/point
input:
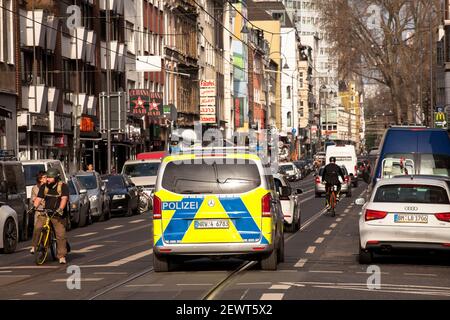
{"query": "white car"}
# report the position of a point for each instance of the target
(405, 213)
(290, 171)
(9, 226)
(290, 204)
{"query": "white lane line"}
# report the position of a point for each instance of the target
(300, 263)
(343, 214)
(311, 250)
(194, 284)
(29, 267)
(347, 210)
(88, 249)
(86, 234)
(30, 293)
(144, 285)
(327, 232)
(361, 272)
(325, 271)
(272, 296)
(15, 276)
(338, 219)
(108, 273)
(319, 240)
(306, 199)
(81, 279)
(6, 271)
(252, 283)
(114, 227)
(311, 220)
(133, 257)
(421, 274)
(280, 287)
(333, 225)
(137, 221)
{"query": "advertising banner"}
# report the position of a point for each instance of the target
(144, 102)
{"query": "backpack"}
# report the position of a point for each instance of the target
(58, 189)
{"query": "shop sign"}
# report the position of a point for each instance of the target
(207, 101)
(39, 122)
(87, 124)
(47, 140)
(61, 141)
(207, 88)
(144, 102)
(207, 110)
(206, 118)
(63, 123)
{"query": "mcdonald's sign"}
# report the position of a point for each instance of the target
(440, 120)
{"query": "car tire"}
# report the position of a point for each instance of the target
(108, 214)
(270, 262)
(365, 256)
(136, 210)
(161, 264)
(9, 236)
(280, 253)
(76, 224)
(68, 222)
(83, 217)
(290, 227)
(298, 225)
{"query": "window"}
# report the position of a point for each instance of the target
(288, 92)
(289, 121)
(131, 43)
(398, 193)
(6, 32)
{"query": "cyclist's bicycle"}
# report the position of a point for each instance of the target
(47, 239)
(332, 199)
(145, 201)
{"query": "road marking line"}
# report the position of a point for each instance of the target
(360, 272)
(252, 283)
(272, 296)
(86, 234)
(14, 275)
(338, 219)
(131, 258)
(333, 225)
(6, 271)
(82, 280)
(346, 210)
(319, 240)
(311, 250)
(145, 285)
(327, 232)
(194, 284)
(421, 274)
(300, 263)
(325, 271)
(88, 249)
(30, 293)
(306, 199)
(137, 221)
(106, 273)
(343, 215)
(280, 287)
(114, 227)
(29, 267)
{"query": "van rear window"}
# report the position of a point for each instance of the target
(31, 171)
(412, 194)
(193, 178)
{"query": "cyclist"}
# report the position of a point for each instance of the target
(55, 193)
(330, 176)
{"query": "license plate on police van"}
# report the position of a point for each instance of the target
(410, 218)
(212, 224)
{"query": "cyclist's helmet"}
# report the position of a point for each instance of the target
(53, 173)
(333, 159)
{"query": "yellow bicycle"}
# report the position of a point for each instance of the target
(47, 239)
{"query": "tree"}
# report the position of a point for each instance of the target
(386, 42)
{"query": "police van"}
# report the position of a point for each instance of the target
(216, 205)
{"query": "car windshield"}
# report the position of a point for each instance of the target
(210, 178)
(412, 194)
(88, 182)
(72, 190)
(286, 168)
(144, 169)
(115, 182)
(31, 171)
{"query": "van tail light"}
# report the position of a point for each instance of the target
(156, 208)
(317, 180)
(265, 205)
(375, 215)
(443, 216)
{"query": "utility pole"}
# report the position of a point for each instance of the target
(76, 142)
(34, 77)
(431, 124)
(108, 84)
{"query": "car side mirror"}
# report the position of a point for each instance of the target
(360, 201)
(83, 191)
(285, 191)
(299, 191)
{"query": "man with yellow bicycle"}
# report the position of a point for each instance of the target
(330, 176)
(56, 194)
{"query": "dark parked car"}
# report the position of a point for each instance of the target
(123, 193)
(79, 204)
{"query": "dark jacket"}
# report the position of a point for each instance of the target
(331, 174)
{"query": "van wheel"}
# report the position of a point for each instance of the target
(161, 264)
(365, 256)
(9, 236)
(270, 262)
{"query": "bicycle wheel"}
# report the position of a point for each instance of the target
(42, 247)
(52, 242)
(333, 203)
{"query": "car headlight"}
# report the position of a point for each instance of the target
(93, 198)
(119, 196)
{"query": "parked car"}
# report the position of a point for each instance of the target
(289, 171)
(79, 204)
(405, 213)
(290, 203)
(9, 226)
(346, 184)
(13, 193)
(302, 167)
(123, 194)
(97, 194)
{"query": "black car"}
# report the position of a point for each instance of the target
(123, 193)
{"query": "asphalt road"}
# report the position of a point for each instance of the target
(115, 261)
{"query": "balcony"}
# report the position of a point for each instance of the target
(117, 55)
(45, 29)
(38, 104)
(74, 47)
